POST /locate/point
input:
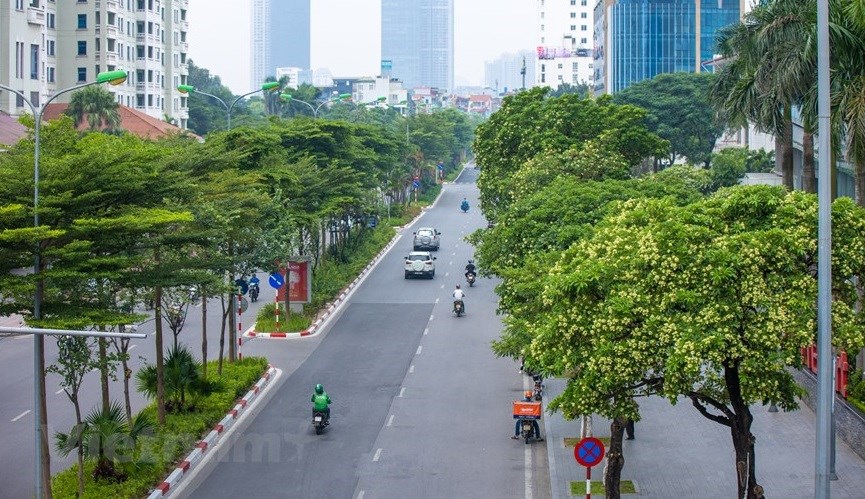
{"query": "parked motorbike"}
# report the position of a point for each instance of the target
(319, 421)
(459, 307)
(253, 292)
(539, 387)
(470, 277)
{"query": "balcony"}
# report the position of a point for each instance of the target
(184, 47)
(112, 5)
(184, 70)
(184, 25)
(35, 16)
(112, 31)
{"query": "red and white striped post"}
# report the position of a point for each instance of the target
(276, 307)
(239, 326)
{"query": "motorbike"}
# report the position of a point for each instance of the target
(459, 307)
(253, 292)
(539, 387)
(319, 421)
(470, 277)
(526, 429)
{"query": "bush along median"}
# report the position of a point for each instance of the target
(119, 464)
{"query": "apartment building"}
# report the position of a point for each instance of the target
(417, 37)
(46, 45)
(564, 50)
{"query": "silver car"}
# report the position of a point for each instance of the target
(426, 238)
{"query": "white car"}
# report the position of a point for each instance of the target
(420, 263)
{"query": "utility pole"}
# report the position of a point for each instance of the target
(523, 72)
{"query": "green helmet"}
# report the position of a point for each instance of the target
(319, 389)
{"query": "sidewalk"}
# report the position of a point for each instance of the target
(679, 453)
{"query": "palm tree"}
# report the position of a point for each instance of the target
(849, 74)
(97, 106)
(107, 436)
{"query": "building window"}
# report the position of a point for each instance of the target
(573, 2)
(574, 67)
(34, 62)
(49, 20)
(34, 98)
(583, 3)
(583, 28)
(49, 47)
(19, 101)
(19, 59)
(573, 27)
(82, 21)
(49, 74)
(583, 15)
(82, 47)
(583, 41)
(573, 15)
(82, 74)
(19, 4)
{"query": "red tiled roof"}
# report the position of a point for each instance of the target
(481, 98)
(10, 130)
(131, 120)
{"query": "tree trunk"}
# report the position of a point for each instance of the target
(80, 451)
(232, 324)
(743, 440)
(160, 358)
(127, 375)
(221, 337)
(787, 150)
(615, 460)
(809, 179)
(860, 183)
(103, 370)
(43, 409)
(203, 334)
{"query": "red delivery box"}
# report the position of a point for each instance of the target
(527, 410)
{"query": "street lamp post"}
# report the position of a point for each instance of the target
(114, 78)
(189, 89)
(289, 98)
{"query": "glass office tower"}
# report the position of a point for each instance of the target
(649, 37)
(417, 38)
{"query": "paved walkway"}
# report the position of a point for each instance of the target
(679, 453)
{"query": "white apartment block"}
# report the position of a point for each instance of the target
(46, 45)
(259, 47)
(504, 74)
(380, 90)
(564, 51)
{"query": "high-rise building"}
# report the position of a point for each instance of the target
(46, 45)
(289, 34)
(417, 39)
(564, 50)
(638, 39)
(260, 42)
(504, 74)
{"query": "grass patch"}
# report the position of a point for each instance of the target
(857, 404)
(266, 320)
(158, 454)
(579, 488)
(573, 441)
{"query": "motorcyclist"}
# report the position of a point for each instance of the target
(254, 287)
(458, 295)
(470, 268)
(536, 429)
(464, 205)
(321, 401)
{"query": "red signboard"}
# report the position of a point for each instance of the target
(298, 281)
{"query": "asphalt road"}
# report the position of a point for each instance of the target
(421, 406)
(17, 432)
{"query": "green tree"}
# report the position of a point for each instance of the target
(728, 166)
(97, 106)
(679, 112)
(205, 113)
(711, 301)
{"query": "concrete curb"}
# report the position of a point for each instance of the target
(211, 439)
(348, 291)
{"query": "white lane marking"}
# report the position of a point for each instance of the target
(437, 300)
(401, 392)
(130, 348)
(16, 418)
(377, 455)
(528, 453)
(447, 274)
(442, 286)
(390, 420)
(360, 495)
(431, 317)
(58, 392)
(411, 368)
(455, 253)
(419, 350)
(426, 331)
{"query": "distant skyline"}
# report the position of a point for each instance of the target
(346, 37)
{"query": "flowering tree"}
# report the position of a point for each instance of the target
(710, 301)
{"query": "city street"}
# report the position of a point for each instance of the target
(421, 406)
(16, 389)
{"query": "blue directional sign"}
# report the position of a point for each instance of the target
(276, 280)
(416, 183)
(242, 286)
(589, 452)
(441, 166)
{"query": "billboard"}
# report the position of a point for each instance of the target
(386, 66)
(298, 282)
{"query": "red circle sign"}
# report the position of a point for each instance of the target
(589, 452)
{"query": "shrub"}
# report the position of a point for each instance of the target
(266, 320)
(182, 378)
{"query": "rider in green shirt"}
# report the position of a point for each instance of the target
(320, 401)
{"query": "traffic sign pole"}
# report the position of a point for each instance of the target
(239, 325)
(589, 452)
(588, 482)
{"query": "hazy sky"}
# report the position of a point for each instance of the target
(346, 36)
